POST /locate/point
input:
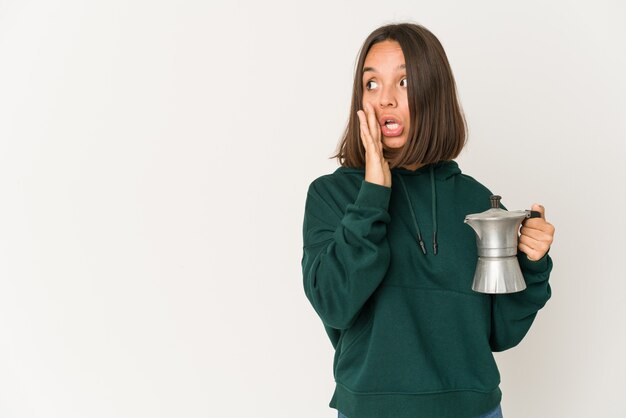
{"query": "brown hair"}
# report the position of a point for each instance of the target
(438, 129)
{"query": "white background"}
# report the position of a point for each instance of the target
(154, 162)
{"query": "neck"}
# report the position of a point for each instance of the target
(413, 167)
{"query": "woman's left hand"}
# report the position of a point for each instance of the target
(536, 235)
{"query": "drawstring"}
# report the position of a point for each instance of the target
(434, 208)
(434, 211)
(419, 235)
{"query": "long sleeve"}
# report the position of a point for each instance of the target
(513, 314)
(345, 255)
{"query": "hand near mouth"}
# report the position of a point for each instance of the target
(376, 167)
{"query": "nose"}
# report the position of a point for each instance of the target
(387, 98)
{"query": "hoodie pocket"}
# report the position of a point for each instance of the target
(353, 335)
(419, 341)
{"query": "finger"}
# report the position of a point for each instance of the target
(537, 239)
(373, 124)
(534, 244)
(365, 137)
(539, 224)
(532, 254)
(358, 113)
(536, 235)
(377, 134)
(366, 128)
(539, 208)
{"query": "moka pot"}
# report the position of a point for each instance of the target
(498, 270)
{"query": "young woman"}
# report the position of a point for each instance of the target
(388, 262)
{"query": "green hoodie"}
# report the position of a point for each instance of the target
(411, 338)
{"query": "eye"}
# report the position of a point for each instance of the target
(405, 82)
(367, 83)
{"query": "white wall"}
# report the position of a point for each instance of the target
(154, 159)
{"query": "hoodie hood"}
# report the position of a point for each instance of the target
(439, 171)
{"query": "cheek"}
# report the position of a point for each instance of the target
(368, 97)
(407, 114)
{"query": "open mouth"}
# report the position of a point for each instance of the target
(391, 124)
(391, 127)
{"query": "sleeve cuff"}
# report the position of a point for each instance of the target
(372, 194)
(537, 266)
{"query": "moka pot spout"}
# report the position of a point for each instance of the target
(475, 224)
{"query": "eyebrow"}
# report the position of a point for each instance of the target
(399, 67)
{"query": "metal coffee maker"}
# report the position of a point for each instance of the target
(498, 270)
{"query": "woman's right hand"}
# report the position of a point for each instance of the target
(376, 167)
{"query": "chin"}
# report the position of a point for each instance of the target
(393, 142)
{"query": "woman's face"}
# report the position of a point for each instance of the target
(385, 88)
